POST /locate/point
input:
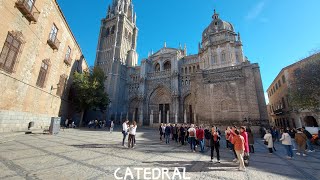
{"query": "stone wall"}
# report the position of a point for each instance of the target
(21, 99)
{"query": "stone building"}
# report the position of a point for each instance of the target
(38, 55)
(216, 86)
(280, 111)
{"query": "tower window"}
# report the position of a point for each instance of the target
(216, 23)
(112, 29)
(108, 32)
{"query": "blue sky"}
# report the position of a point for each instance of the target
(275, 33)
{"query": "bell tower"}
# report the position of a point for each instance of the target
(116, 50)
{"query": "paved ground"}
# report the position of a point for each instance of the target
(87, 154)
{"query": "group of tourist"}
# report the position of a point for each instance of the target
(100, 124)
(239, 140)
(292, 139)
(131, 129)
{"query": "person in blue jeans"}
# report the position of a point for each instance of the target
(192, 137)
(309, 137)
(287, 142)
(200, 137)
(124, 131)
(167, 131)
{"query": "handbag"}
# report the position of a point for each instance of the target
(265, 142)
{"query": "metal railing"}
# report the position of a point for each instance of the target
(28, 9)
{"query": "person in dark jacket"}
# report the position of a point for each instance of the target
(309, 137)
(182, 134)
(161, 131)
(251, 140)
(167, 131)
(215, 143)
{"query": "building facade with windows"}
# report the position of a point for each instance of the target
(38, 55)
(280, 112)
(216, 86)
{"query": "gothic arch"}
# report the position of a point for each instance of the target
(167, 65)
(156, 67)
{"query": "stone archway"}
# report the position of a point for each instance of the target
(133, 113)
(310, 121)
(188, 109)
(160, 102)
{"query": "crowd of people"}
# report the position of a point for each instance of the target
(239, 140)
(292, 139)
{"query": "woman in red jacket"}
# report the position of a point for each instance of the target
(244, 134)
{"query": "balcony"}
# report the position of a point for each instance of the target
(159, 74)
(278, 112)
(28, 9)
(53, 41)
(68, 60)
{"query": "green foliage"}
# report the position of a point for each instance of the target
(304, 90)
(89, 90)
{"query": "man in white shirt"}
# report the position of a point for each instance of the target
(124, 131)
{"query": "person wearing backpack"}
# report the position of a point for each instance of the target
(192, 137)
(309, 137)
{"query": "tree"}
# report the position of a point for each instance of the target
(89, 91)
(304, 90)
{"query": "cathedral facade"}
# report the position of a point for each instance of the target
(217, 86)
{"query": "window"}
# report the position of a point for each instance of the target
(68, 56)
(43, 73)
(279, 83)
(283, 103)
(283, 79)
(214, 59)
(108, 32)
(223, 57)
(276, 86)
(61, 85)
(30, 4)
(112, 29)
(157, 67)
(10, 51)
(53, 33)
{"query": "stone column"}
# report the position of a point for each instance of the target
(195, 118)
(115, 117)
(168, 116)
(159, 117)
(151, 118)
(185, 116)
(176, 118)
(120, 117)
(133, 116)
(140, 118)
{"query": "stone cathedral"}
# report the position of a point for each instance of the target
(217, 86)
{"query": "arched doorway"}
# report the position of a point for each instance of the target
(133, 113)
(159, 103)
(188, 108)
(310, 121)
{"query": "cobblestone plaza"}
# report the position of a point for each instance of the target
(90, 154)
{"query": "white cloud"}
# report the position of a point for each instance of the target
(256, 10)
(266, 97)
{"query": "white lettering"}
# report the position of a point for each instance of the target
(176, 172)
(165, 171)
(184, 173)
(153, 173)
(115, 174)
(138, 172)
(128, 173)
(147, 171)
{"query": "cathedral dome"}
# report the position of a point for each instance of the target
(217, 25)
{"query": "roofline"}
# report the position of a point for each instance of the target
(68, 27)
(291, 65)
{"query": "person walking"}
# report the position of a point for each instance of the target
(124, 131)
(238, 142)
(167, 133)
(227, 134)
(215, 144)
(268, 141)
(309, 137)
(200, 137)
(132, 134)
(251, 140)
(301, 141)
(286, 141)
(244, 134)
(175, 132)
(161, 131)
(192, 137)
(111, 126)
